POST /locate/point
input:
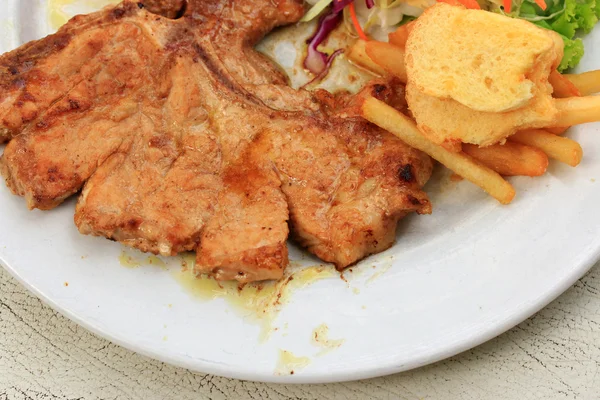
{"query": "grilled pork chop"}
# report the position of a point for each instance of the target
(181, 137)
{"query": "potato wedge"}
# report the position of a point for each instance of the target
(404, 128)
(587, 83)
(387, 56)
(510, 159)
(358, 55)
(556, 147)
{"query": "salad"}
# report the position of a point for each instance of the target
(569, 18)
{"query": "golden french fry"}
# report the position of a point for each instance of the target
(388, 56)
(358, 55)
(510, 159)
(562, 86)
(404, 128)
(578, 110)
(587, 83)
(557, 130)
(400, 35)
(556, 147)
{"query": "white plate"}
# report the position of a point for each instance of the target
(455, 279)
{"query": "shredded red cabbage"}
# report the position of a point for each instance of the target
(339, 5)
(316, 61)
(325, 70)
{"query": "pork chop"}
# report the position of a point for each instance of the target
(181, 137)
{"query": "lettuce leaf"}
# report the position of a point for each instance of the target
(577, 15)
(566, 23)
(573, 49)
(566, 17)
(572, 55)
(585, 16)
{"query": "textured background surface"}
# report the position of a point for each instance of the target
(555, 354)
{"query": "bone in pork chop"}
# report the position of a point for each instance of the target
(182, 137)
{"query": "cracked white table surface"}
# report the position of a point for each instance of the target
(555, 354)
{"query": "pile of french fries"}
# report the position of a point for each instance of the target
(524, 153)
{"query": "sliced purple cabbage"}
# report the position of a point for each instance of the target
(325, 70)
(316, 61)
(339, 5)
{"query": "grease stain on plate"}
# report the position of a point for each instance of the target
(130, 261)
(60, 11)
(320, 338)
(289, 363)
(259, 302)
(381, 270)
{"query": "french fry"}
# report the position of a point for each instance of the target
(587, 83)
(358, 55)
(387, 56)
(563, 87)
(577, 110)
(556, 147)
(404, 128)
(400, 35)
(510, 159)
(557, 130)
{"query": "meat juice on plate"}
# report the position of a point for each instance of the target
(126, 259)
(260, 302)
(289, 362)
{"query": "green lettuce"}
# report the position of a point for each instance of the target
(573, 48)
(569, 18)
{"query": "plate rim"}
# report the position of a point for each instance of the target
(572, 272)
(220, 369)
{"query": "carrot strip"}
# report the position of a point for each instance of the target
(361, 33)
(507, 5)
(541, 3)
(472, 4)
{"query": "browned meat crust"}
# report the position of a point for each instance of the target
(166, 8)
(182, 137)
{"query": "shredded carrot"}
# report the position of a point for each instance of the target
(507, 5)
(361, 33)
(472, 4)
(541, 3)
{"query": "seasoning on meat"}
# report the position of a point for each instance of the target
(181, 137)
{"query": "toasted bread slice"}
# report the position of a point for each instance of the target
(485, 61)
(446, 121)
